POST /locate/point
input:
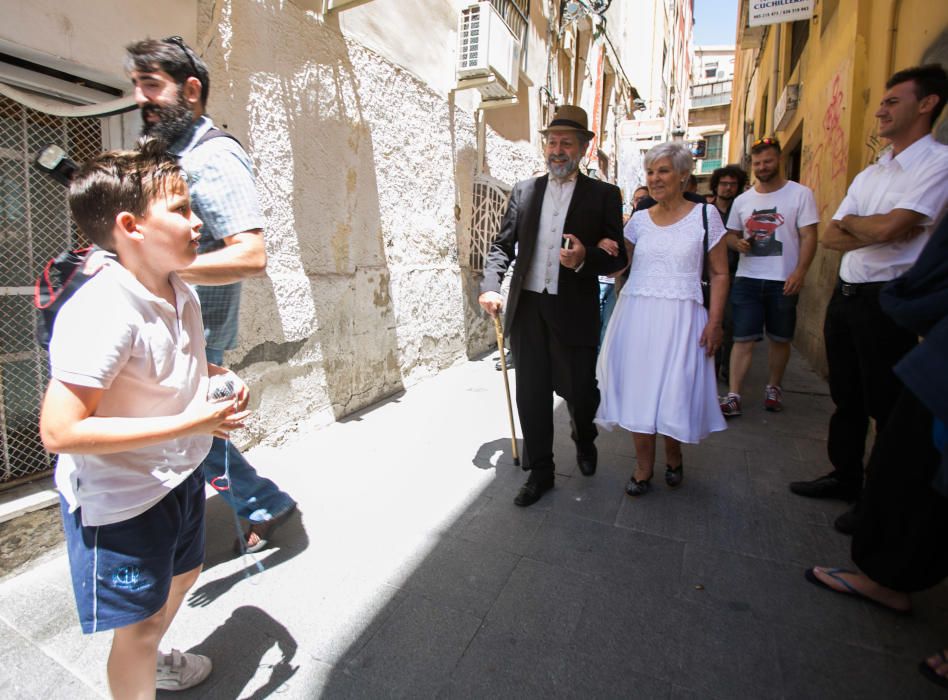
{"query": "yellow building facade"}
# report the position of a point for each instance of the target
(815, 85)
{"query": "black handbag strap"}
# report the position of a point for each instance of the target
(705, 276)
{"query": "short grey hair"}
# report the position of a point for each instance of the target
(676, 151)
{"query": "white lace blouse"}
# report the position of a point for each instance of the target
(668, 259)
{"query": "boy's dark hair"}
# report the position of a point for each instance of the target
(117, 181)
(729, 171)
(763, 143)
(171, 55)
(929, 79)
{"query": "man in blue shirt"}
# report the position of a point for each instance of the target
(171, 87)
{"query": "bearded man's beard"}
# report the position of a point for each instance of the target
(173, 120)
(563, 168)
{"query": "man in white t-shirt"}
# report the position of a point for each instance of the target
(773, 227)
(881, 227)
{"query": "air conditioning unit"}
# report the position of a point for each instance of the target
(488, 54)
(786, 106)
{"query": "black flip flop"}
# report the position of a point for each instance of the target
(929, 672)
(850, 590)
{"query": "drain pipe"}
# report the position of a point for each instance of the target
(893, 35)
(774, 77)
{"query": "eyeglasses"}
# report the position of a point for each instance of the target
(765, 141)
(179, 42)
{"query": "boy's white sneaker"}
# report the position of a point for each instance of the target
(181, 670)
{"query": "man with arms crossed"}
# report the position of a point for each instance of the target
(881, 226)
(773, 227)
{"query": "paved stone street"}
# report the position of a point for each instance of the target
(412, 574)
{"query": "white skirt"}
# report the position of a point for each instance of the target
(654, 377)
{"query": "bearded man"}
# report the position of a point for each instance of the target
(553, 223)
(171, 87)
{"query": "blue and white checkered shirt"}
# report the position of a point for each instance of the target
(223, 195)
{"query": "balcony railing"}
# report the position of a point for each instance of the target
(711, 100)
(711, 94)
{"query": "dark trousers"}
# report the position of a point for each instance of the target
(546, 363)
(902, 520)
(862, 345)
(722, 358)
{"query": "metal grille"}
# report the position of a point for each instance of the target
(470, 42)
(490, 201)
(35, 226)
(516, 14)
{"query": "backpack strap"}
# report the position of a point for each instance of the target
(57, 275)
(215, 133)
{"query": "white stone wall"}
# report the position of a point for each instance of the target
(360, 167)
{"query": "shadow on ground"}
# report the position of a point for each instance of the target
(686, 594)
(270, 648)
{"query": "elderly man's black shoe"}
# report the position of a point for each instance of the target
(587, 458)
(825, 487)
(535, 487)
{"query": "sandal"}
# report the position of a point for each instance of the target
(847, 588)
(259, 533)
(674, 475)
(930, 673)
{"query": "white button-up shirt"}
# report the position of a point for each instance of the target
(917, 180)
(544, 271)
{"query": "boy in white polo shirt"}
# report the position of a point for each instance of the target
(127, 411)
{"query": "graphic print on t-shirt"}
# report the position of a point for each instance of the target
(761, 230)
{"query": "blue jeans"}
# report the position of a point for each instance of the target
(758, 304)
(252, 496)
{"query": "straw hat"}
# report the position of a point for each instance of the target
(569, 118)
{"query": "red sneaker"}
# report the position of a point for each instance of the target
(773, 398)
(731, 405)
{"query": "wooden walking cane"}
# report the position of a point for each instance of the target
(499, 330)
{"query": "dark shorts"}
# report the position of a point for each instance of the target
(121, 573)
(761, 304)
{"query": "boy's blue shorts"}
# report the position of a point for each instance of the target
(121, 573)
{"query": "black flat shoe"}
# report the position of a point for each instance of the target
(638, 488)
(587, 457)
(825, 487)
(674, 475)
(531, 491)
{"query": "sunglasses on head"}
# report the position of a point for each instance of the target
(765, 141)
(179, 42)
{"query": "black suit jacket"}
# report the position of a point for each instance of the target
(595, 212)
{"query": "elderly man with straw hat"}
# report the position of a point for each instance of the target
(553, 223)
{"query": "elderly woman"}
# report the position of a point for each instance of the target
(656, 367)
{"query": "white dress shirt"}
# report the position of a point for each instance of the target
(544, 271)
(917, 180)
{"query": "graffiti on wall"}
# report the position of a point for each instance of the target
(835, 138)
(874, 147)
(824, 160)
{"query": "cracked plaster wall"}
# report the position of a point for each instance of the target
(359, 167)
